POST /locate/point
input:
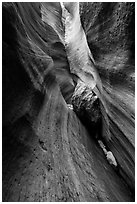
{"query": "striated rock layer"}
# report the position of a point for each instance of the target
(70, 53)
(111, 39)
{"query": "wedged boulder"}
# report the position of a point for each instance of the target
(86, 103)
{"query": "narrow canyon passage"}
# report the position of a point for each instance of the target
(63, 90)
(57, 162)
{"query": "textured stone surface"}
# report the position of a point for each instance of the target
(85, 102)
(48, 154)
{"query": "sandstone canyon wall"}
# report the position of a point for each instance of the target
(55, 54)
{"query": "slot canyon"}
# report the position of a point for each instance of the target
(68, 101)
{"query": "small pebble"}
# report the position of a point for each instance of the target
(70, 106)
(111, 159)
(109, 155)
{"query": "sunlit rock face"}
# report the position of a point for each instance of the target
(80, 54)
(82, 64)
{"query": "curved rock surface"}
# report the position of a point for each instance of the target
(70, 53)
